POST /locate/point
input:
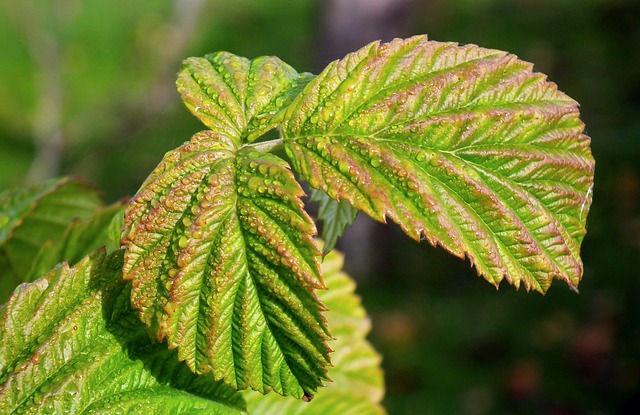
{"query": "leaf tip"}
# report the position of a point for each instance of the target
(574, 288)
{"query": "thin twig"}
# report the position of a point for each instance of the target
(46, 127)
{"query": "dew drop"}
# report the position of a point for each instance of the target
(376, 162)
(182, 261)
(326, 114)
(148, 263)
(436, 162)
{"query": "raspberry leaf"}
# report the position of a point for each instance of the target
(224, 267)
(71, 343)
(463, 146)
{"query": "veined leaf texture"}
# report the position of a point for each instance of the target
(34, 218)
(463, 146)
(72, 344)
(219, 248)
(357, 385)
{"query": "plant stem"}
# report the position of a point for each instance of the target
(267, 146)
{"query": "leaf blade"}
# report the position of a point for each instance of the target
(417, 131)
(357, 385)
(71, 342)
(79, 239)
(35, 216)
(336, 217)
(224, 266)
(236, 95)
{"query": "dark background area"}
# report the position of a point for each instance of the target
(87, 88)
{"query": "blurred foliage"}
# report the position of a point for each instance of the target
(114, 64)
(101, 73)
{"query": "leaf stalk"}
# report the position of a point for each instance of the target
(267, 146)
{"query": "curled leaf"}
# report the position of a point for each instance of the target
(335, 215)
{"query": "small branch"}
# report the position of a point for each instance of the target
(184, 24)
(47, 128)
(48, 134)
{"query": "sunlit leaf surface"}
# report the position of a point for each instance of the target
(238, 96)
(72, 344)
(224, 267)
(357, 383)
(463, 146)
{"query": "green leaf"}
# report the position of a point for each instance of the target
(224, 267)
(80, 238)
(358, 382)
(238, 96)
(33, 216)
(461, 145)
(114, 231)
(72, 344)
(336, 215)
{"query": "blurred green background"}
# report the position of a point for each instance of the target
(87, 88)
